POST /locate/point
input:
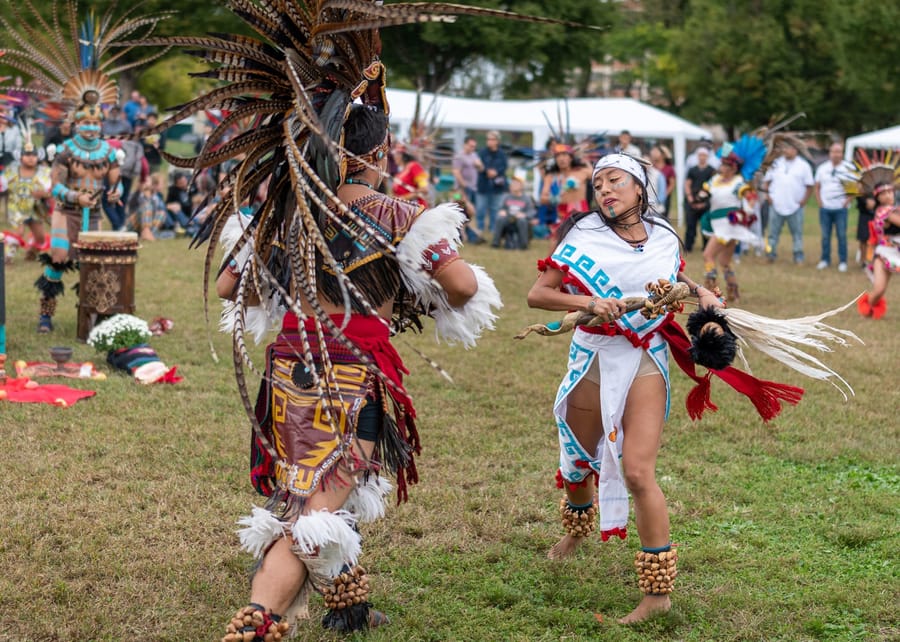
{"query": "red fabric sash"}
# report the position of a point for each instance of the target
(766, 396)
(371, 336)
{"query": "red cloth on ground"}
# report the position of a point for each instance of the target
(54, 394)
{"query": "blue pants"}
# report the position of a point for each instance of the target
(486, 206)
(836, 218)
(795, 225)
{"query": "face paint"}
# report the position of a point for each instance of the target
(612, 212)
(622, 183)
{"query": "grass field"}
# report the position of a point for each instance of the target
(121, 509)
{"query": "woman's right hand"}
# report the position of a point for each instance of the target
(608, 309)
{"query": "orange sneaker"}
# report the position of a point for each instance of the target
(879, 308)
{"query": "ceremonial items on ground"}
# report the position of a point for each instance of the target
(124, 339)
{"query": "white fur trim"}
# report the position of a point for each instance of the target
(258, 319)
(367, 500)
(326, 541)
(465, 324)
(260, 530)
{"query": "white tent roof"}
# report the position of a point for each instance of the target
(585, 115)
(579, 116)
(882, 139)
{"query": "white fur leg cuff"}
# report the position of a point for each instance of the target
(466, 324)
(326, 541)
(366, 502)
(260, 530)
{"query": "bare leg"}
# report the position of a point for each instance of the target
(281, 574)
(583, 417)
(880, 282)
(642, 426)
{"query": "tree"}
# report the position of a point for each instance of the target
(740, 63)
(537, 58)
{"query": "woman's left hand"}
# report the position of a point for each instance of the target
(708, 299)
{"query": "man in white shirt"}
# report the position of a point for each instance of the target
(789, 183)
(833, 205)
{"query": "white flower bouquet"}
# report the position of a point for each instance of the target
(124, 339)
(118, 332)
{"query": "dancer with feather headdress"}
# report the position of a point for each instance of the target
(730, 219)
(77, 70)
(351, 266)
(878, 177)
(26, 184)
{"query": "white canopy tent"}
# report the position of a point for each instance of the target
(581, 116)
(882, 139)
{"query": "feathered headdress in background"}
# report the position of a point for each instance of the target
(28, 146)
(74, 65)
(747, 153)
(872, 174)
(294, 81)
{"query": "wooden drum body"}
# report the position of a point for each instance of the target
(106, 283)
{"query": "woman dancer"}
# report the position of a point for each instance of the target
(567, 188)
(612, 404)
(886, 259)
(730, 218)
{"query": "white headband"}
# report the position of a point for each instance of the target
(624, 162)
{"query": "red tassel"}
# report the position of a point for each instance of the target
(765, 395)
(698, 399)
(621, 532)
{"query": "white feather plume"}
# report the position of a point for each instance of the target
(786, 340)
(326, 541)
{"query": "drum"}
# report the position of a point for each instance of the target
(106, 284)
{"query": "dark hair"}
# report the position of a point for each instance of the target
(364, 129)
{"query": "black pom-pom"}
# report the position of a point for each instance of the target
(713, 344)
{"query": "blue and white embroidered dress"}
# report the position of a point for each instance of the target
(602, 264)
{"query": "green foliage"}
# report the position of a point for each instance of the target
(168, 83)
(536, 58)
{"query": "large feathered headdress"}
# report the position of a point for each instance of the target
(72, 59)
(294, 83)
(872, 174)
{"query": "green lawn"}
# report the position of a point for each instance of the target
(122, 508)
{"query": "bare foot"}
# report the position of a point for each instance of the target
(651, 605)
(564, 547)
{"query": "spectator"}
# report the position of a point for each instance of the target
(115, 123)
(514, 217)
(146, 210)
(789, 183)
(20, 98)
(661, 158)
(491, 183)
(466, 165)
(132, 107)
(10, 139)
(410, 179)
(625, 146)
(692, 159)
(696, 194)
(178, 205)
(57, 135)
(833, 206)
